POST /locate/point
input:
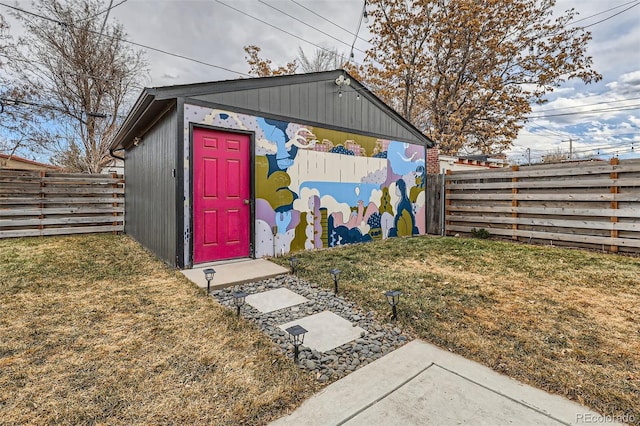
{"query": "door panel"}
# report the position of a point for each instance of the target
(221, 184)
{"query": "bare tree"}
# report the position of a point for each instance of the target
(84, 73)
(322, 60)
(19, 114)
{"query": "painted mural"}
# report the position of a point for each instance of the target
(322, 188)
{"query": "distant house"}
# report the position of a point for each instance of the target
(436, 162)
(116, 165)
(18, 163)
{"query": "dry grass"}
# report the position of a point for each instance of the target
(94, 330)
(562, 320)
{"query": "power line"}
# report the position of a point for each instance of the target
(308, 25)
(329, 21)
(604, 11)
(110, 8)
(594, 111)
(155, 49)
(362, 15)
(614, 15)
(15, 102)
(273, 26)
(585, 105)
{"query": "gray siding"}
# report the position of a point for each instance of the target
(150, 189)
(317, 102)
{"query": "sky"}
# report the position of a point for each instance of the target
(601, 119)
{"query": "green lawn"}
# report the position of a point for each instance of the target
(563, 320)
(94, 330)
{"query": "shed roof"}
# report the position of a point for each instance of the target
(311, 98)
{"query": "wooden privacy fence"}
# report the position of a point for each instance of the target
(35, 203)
(595, 204)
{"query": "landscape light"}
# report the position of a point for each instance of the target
(335, 274)
(238, 300)
(393, 297)
(296, 334)
(208, 275)
(293, 262)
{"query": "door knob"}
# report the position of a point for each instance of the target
(246, 202)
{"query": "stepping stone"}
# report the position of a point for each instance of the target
(273, 300)
(326, 331)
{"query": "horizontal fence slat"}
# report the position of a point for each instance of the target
(60, 231)
(526, 172)
(547, 196)
(81, 181)
(585, 239)
(568, 183)
(551, 211)
(72, 220)
(76, 190)
(548, 222)
(59, 211)
(70, 200)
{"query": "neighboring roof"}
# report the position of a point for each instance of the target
(35, 164)
(307, 98)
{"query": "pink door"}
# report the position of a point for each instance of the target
(221, 191)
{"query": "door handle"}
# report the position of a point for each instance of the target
(247, 202)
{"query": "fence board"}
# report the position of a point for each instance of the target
(39, 203)
(587, 204)
(560, 183)
(584, 224)
(554, 236)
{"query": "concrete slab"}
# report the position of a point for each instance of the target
(234, 272)
(421, 384)
(273, 300)
(431, 396)
(326, 331)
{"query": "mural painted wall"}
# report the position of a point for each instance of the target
(322, 188)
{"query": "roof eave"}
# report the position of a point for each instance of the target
(142, 104)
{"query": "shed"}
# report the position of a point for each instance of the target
(262, 166)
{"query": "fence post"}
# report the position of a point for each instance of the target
(115, 204)
(43, 174)
(614, 189)
(447, 201)
(514, 203)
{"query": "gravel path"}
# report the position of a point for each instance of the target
(378, 340)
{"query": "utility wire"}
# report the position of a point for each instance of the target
(614, 15)
(585, 105)
(273, 26)
(364, 10)
(308, 25)
(329, 21)
(594, 111)
(111, 7)
(155, 49)
(14, 102)
(604, 11)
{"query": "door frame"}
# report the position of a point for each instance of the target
(252, 184)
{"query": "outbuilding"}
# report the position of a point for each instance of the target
(262, 166)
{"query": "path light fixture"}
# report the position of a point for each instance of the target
(238, 300)
(335, 274)
(296, 334)
(294, 262)
(393, 297)
(208, 275)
